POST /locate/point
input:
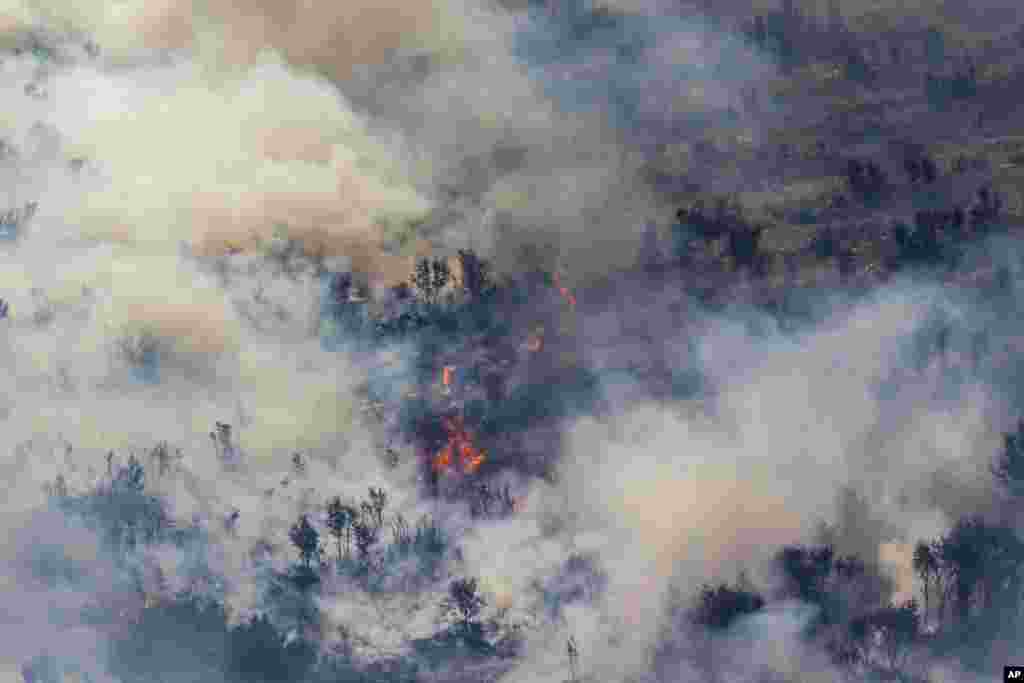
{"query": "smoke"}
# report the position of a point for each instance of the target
(200, 168)
(796, 432)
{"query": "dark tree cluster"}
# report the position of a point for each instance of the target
(487, 501)
(810, 572)
(986, 210)
(866, 179)
(856, 624)
(882, 641)
(1008, 468)
(778, 33)
(307, 540)
(464, 602)
(719, 607)
(430, 277)
(476, 273)
(937, 234)
(921, 170)
(974, 574)
(961, 85)
(341, 288)
(724, 219)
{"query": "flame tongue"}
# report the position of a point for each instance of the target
(460, 445)
(566, 294)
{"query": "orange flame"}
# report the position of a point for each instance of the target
(460, 444)
(446, 375)
(443, 459)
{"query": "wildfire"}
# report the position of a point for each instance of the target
(566, 294)
(460, 445)
(446, 375)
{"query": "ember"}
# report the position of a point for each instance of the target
(566, 294)
(460, 445)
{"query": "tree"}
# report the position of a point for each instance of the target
(718, 608)
(60, 487)
(257, 653)
(430, 277)
(366, 534)
(440, 275)
(1008, 469)
(131, 477)
(378, 501)
(306, 539)
(892, 630)
(982, 560)
(806, 569)
(759, 32)
(475, 273)
(929, 171)
(744, 244)
(339, 522)
(926, 564)
(574, 653)
(921, 168)
(866, 179)
(986, 210)
(341, 288)
(464, 601)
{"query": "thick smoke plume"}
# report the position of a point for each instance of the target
(184, 184)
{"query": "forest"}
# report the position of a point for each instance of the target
(511, 341)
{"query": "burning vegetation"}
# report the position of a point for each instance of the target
(461, 447)
(564, 291)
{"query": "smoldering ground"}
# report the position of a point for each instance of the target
(198, 175)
